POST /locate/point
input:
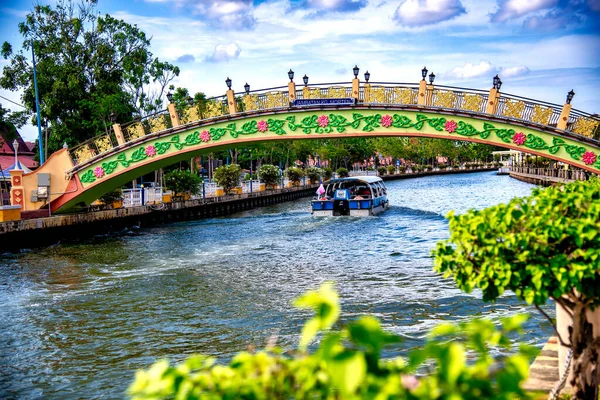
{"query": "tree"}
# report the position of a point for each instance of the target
(314, 174)
(543, 246)
(270, 175)
(88, 66)
(342, 172)
(294, 174)
(227, 176)
(183, 182)
(347, 364)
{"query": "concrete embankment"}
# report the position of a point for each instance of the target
(38, 232)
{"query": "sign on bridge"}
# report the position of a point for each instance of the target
(325, 102)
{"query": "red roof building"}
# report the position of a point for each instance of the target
(25, 153)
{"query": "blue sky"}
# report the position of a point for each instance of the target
(541, 48)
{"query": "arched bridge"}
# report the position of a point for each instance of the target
(84, 173)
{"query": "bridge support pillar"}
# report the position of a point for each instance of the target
(119, 134)
(174, 116)
(367, 97)
(429, 95)
(492, 105)
(231, 102)
(292, 92)
(17, 191)
(355, 88)
(564, 117)
(421, 100)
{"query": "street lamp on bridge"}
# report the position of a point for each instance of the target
(499, 85)
(570, 96)
(355, 70)
(431, 78)
(367, 76)
(228, 83)
(424, 73)
(291, 75)
(170, 97)
(305, 79)
(496, 81)
(247, 88)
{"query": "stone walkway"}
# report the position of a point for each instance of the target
(543, 373)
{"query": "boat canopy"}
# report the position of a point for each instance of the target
(365, 179)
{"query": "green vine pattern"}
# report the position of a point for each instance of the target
(338, 123)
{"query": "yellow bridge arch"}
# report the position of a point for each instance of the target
(87, 172)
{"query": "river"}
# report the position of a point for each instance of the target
(78, 319)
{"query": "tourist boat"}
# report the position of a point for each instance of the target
(355, 196)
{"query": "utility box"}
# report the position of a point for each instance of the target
(43, 179)
(43, 190)
(34, 196)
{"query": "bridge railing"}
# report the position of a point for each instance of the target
(264, 99)
(451, 98)
(94, 147)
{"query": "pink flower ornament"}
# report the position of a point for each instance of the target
(450, 126)
(262, 126)
(323, 121)
(150, 151)
(99, 172)
(519, 138)
(205, 136)
(386, 121)
(589, 157)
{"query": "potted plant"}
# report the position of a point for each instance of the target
(228, 177)
(294, 174)
(183, 183)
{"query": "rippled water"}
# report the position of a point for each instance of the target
(77, 320)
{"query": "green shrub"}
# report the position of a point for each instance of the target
(544, 246)
(347, 364)
(112, 196)
(381, 170)
(270, 175)
(327, 173)
(342, 173)
(314, 174)
(227, 176)
(402, 169)
(294, 174)
(391, 170)
(182, 182)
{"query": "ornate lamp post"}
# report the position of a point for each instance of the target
(367, 76)
(570, 96)
(291, 75)
(424, 73)
(170, 97)
(305, 79)
(228, 83)
(247, 88)
(431, 78)
(496, 80)
(16, 149)
(355, 70)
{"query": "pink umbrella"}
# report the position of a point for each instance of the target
(321, 190)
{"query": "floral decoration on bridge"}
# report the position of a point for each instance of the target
(450, 126)
(319, 124)
(150, 151)
(262, 126)
(205, 136)
(519, 138)
(589, 157)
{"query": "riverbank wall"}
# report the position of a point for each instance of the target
(547, 176)
(39, 232)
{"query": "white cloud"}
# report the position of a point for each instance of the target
(425, 12)
(514, 71)
(225, 53)
(470, 70)
(336, 5)
(511, 9)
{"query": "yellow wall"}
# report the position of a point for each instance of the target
(56, 165)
